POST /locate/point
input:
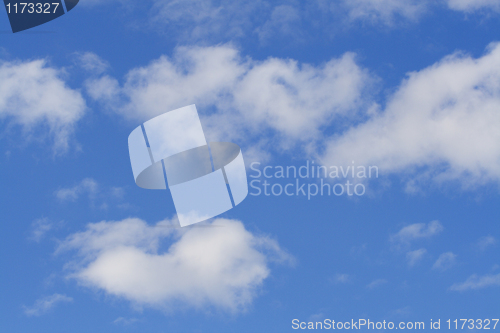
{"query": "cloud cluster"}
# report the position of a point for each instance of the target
(403, 239)
(34, 95)
(240, 97)
(388, 12)
(215, 21)
(219, 265)
(441, 122)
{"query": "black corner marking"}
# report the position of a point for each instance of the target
(70, 4)
(27, 14)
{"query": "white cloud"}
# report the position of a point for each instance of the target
(99, 196)
(91, 62)
(486, 242)
(385, 11)
(240, 97)
(209, 19)
(283, 21)
(413, 257)
(477, 282)
(125, 321)
(376, 283)
(219, 264)
(43, 305)
(341, 278)
(87, 185)
(40, 228)
(442, 123)
(445, 261)
(417, 231)
(389, 12)
(216, 21)
(34, 95)
(474, 5)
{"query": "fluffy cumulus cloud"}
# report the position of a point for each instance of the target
(91, 62)
(241, 97)
(442, 122)
(219, 265)
(34, 95)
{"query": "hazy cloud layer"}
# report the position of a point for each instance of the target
(215, 21)
(40, 227)
(474, 5)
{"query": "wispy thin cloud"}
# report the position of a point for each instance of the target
(445, 261)
(413, 257)
(417, 231)
(486, 242)
(33, 95)
(91, 62)
(477, 282)
(341, 278)
(462, 97)
(39, 228)
(376, 283)
(98, 195)
(43, 305)
(86, 186)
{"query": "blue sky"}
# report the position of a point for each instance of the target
(411, 87)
